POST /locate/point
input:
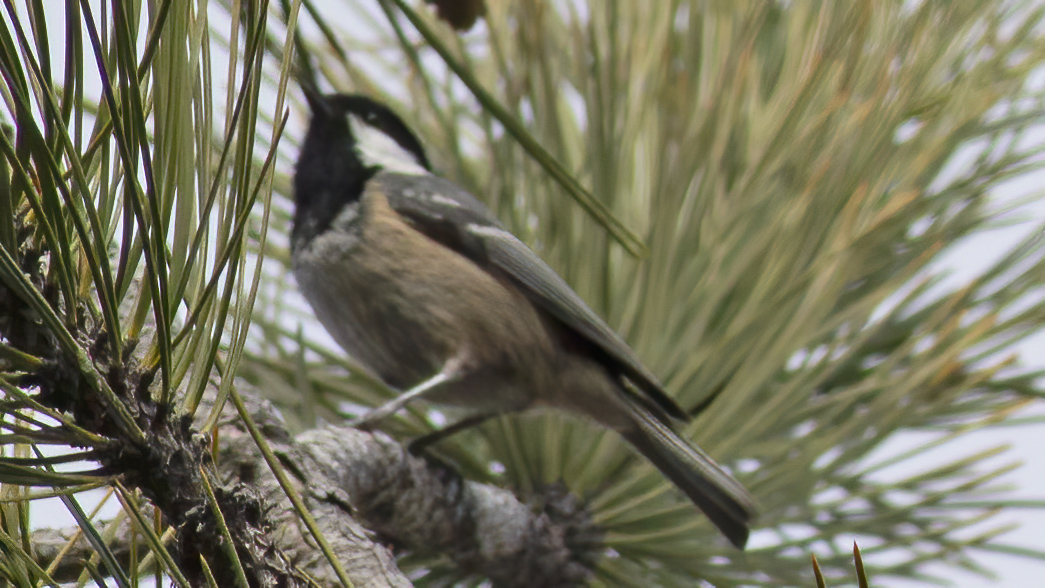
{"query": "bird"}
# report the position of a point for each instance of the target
(417, 280)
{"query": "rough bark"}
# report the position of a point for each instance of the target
(371, 498)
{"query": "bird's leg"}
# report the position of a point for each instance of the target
(421, 443)
(450, 372)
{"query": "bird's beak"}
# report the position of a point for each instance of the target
(316, 101)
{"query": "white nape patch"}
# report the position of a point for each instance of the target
(377, 149)
(347, 216)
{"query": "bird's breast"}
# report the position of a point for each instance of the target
(404, 304)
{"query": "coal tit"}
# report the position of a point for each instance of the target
(417, 280)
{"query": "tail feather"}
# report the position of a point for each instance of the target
(725, 502)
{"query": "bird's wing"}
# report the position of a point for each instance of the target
(454, 218)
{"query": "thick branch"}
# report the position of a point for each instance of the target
(349, 475)
(370, 495)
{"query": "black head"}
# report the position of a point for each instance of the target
(350, 138)
(367, 119)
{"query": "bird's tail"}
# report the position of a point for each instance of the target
(725, 502)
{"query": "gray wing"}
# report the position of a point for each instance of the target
(456, 219)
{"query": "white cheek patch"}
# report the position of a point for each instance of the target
(377, 149)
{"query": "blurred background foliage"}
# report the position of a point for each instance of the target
(778, 179)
